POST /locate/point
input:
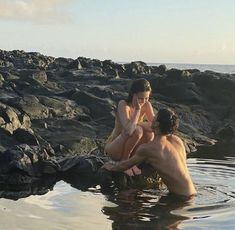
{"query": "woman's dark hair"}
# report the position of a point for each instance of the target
(140, 85)
(168, 121)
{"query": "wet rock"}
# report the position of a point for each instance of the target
(15, 191)
(22, 159)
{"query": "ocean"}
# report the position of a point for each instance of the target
(202, 67)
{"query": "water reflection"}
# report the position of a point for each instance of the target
(213, 207)
(150, 209)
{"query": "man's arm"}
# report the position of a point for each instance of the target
(121, 166)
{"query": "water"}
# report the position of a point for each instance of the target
(65, 207)
(202, 67)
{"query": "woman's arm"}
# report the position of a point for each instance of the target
(128, 123)
(149, 111)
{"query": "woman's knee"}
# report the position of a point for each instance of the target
(148, 136)
(138, 132)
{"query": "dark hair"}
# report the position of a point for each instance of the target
(140, 85)
(168, 121)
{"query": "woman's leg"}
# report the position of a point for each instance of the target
(146, 137)
(130, 145)
(122, 146)
(114, 149)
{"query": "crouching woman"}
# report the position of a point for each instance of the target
(132, 124)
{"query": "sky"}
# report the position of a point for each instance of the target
(154, 31)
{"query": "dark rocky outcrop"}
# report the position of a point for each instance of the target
(56, 113)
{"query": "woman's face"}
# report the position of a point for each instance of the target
(143, 97)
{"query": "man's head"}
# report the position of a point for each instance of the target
(165, 122)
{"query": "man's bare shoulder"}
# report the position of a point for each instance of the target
(176, 139)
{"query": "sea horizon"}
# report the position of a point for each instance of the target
(221, 68)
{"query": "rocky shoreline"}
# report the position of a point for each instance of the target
(55, 109)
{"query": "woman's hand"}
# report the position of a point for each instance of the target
(135, 102)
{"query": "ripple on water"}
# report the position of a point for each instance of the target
(213, 206)
(214, 180)
(215, 184)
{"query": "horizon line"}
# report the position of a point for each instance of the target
(122, 62)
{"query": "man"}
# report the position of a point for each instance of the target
(165, 153)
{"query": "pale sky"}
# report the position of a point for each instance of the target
(161, 31)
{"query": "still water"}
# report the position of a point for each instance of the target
(66, 207)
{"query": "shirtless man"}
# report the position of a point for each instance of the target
(165, 153)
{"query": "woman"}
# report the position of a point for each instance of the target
(132, 124)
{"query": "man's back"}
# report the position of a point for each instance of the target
(167, 155)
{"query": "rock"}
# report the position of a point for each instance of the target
(74, 65)
(137, 67)
(227, 132)
(15, 191)
(30, 75)
(176, 74)
(1, 80)
(20, 158)
(74, 137)
(60, 63)
(161, 69)
(10, 121)
(31, 106)
(210, 84)
(25, 136)
(94, 104)
(179, 91)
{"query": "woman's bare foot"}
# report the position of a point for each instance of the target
(129, 172)
(136, 170)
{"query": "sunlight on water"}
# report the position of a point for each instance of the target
(68, 208)
(62, 208)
